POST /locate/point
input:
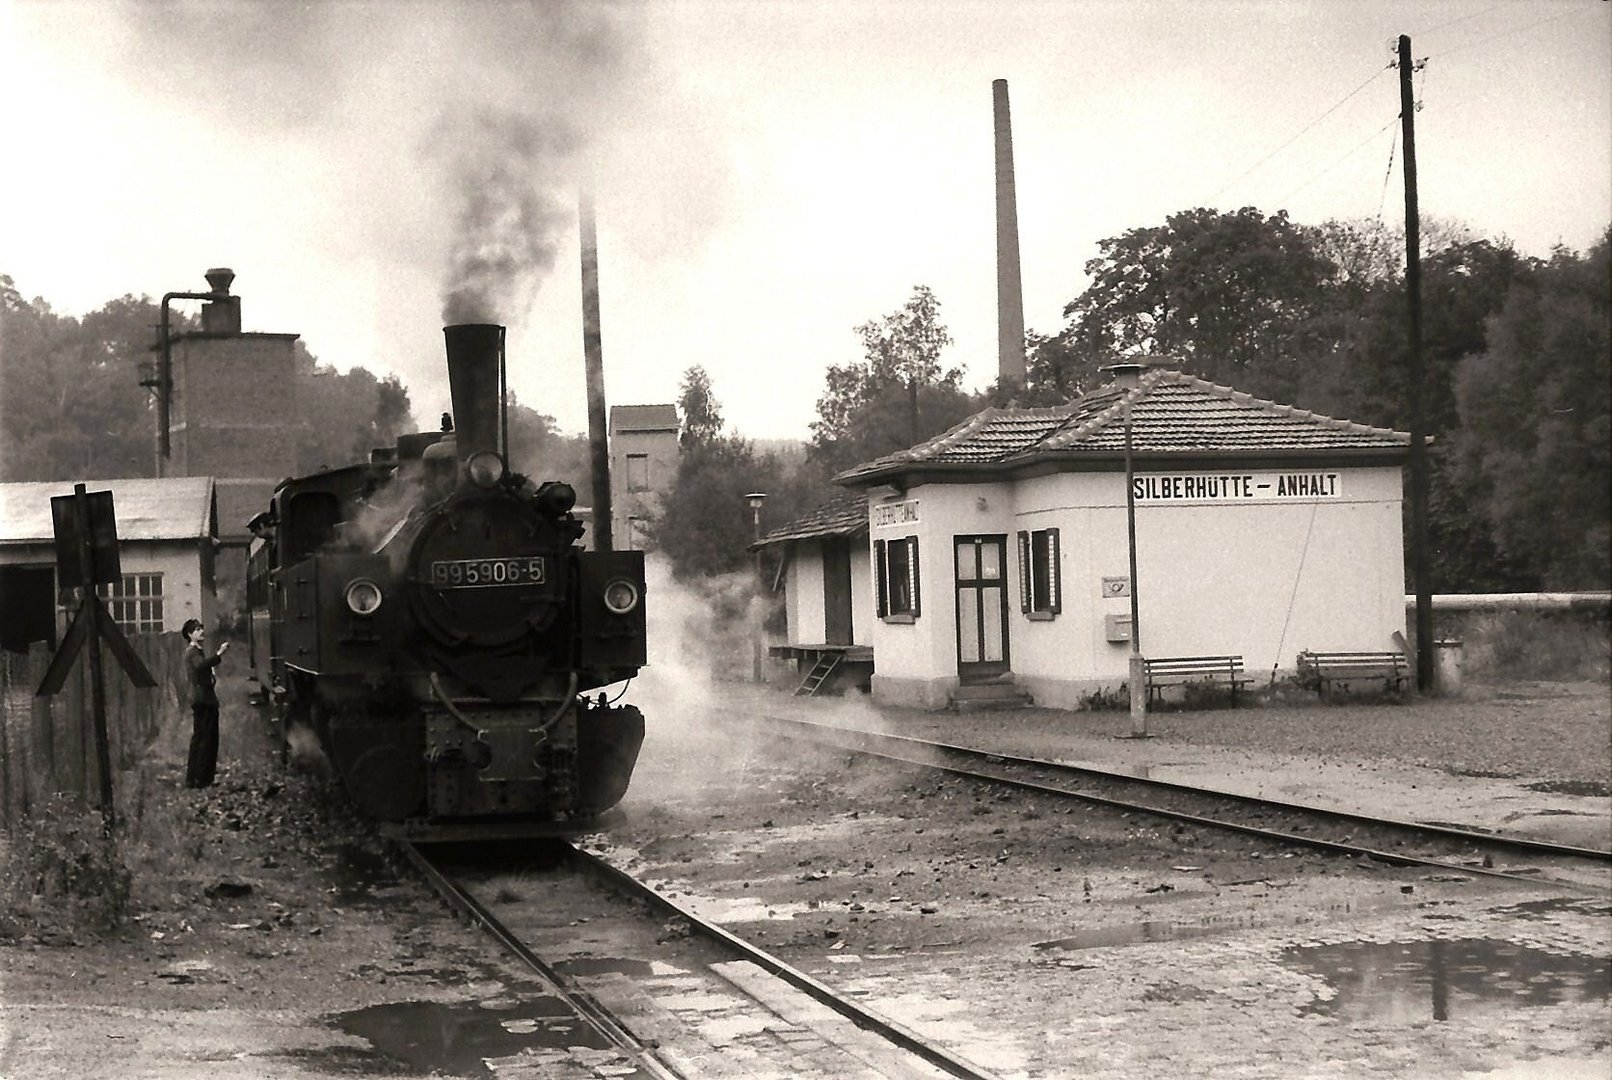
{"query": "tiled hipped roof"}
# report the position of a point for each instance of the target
(1172, 413)
(844, 515)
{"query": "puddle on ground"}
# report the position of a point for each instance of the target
(1413, 981)
(1184, 929)
(744, 909)
(355, 872)
(455, 1038)
(1591, 788)
(615, 965)
(1539, 909)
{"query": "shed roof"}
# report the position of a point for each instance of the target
(172, 508)
(1173, 414)
(843, 515)
(643, 418)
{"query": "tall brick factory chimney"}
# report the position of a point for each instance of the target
(1009, 292)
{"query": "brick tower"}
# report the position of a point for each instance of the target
(231, 412)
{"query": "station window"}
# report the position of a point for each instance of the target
(895, 564)
(1039, 592)
(135, 603)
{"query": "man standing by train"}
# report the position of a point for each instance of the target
(203, 761)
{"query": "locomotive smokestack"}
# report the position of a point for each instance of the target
(1009, 292)
(476, 380)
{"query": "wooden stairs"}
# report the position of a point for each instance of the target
(819, 674)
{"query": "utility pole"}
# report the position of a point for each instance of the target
(593, 359)
(1418, 397)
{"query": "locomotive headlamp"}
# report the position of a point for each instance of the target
(621, 596)
(486, 468)
(557, 497)
(363, 596)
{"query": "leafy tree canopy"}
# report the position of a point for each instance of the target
(71, 403)
(699, 409)
(897, 395)
(1231, 296)
(1536, 410)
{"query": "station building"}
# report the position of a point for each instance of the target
(167, 543)
(998, 552)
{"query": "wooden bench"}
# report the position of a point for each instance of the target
(1319, 670)
(1179, 670)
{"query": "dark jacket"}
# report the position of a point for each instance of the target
(203, 677)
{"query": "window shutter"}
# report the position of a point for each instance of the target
(1024, 571)
(881, 590)
(1054, 584)
(912, 572)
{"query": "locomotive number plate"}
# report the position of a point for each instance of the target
(485, 573)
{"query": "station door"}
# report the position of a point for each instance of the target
(982, 625)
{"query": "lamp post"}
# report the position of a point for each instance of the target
(1138, 669)
(755, 499)
(1127, 379)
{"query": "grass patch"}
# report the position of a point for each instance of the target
(1536, 645)
(63, 879)
(64, 874)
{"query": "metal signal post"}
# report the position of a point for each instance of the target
(86, 555)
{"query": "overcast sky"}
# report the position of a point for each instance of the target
(767, 175)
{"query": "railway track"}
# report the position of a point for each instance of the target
(821, 1032)
(1340, 832)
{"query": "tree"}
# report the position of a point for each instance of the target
(71, 403)
(539, 450)
(1061, 367)
(1228, 296)
(699, 409)
(897, 395)
(346, 416)
(1536, 412)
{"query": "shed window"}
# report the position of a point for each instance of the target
(135, 603)
(1039, 592)
(895, 564)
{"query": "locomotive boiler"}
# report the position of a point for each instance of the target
(434, 619)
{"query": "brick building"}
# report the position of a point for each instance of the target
(643, 469)
(232, 410)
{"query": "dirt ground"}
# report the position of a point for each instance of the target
(1041, 941)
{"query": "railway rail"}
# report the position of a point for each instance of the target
(904, 1053)
(1443, 847)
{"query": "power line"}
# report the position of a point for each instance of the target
(1295, 138)
(1523, 28)
(1451, 22)
(1387, 173)
(1352, 151)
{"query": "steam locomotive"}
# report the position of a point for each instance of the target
(433, 618)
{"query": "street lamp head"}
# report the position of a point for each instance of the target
(756, 498)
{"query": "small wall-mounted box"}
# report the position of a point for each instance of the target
(1117, 627)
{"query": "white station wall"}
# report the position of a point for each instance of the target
(803, 593)
(1261, 577)
(915, 662)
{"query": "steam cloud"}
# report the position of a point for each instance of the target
(499, 101)
(506, 168)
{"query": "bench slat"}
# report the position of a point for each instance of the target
(1329, 667)
(1174, 670)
